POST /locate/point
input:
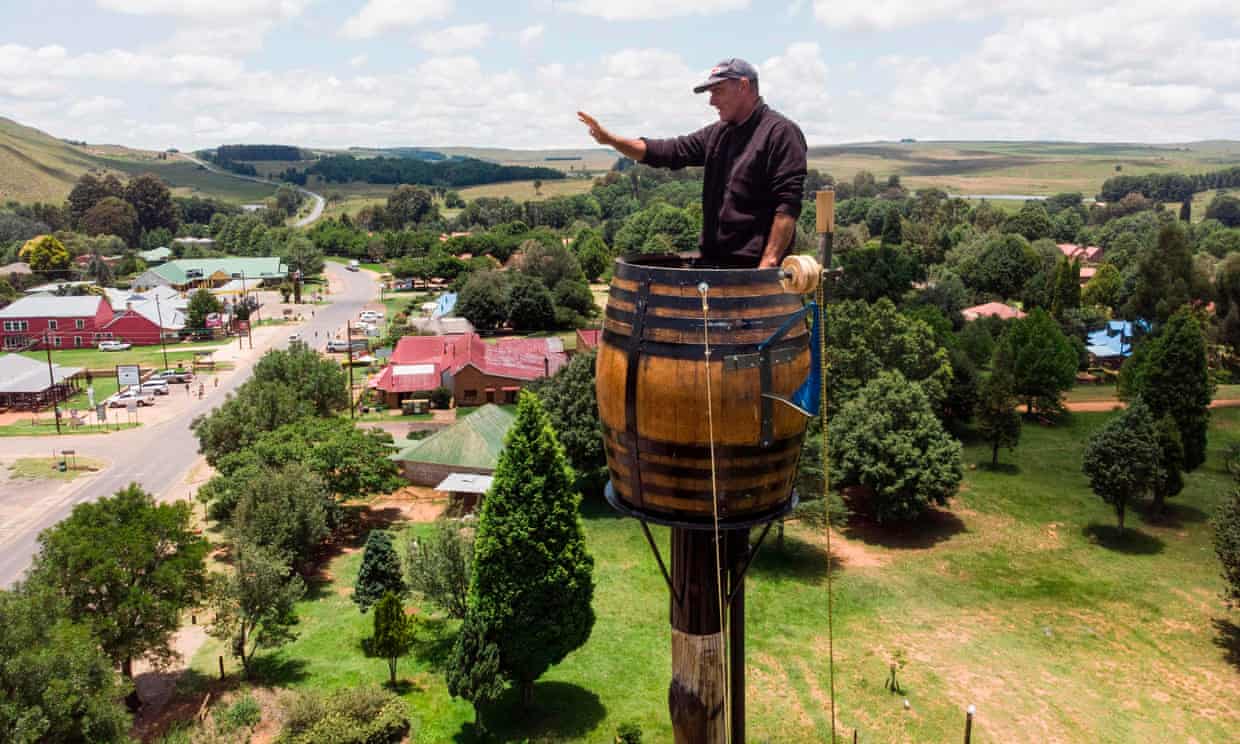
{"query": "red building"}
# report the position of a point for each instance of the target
(61, 322)
(475, 371)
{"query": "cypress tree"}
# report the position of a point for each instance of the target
(893, 232)
(532, 581)
(1172, 448)
(997, 419)
(1186, 210)
(380, 572)
(1122, 458)
(394, 633)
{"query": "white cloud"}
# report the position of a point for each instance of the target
(796, 84)
(379, 16)
(455, 38)
(94, 106)
(641, 10)
(358, 61)
(208, 10)
(885, 15)
(530, 35)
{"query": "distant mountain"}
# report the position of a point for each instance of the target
(34, 166)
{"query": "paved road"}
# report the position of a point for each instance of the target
(156, 456)
(319, 201)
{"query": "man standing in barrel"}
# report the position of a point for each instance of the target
(755, 169)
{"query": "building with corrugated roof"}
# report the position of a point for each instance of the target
(195, 273)
(28, 384)
(471, 445)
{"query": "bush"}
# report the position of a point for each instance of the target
(243, 714)
(359, 715)
(629, 733)
(441, 397)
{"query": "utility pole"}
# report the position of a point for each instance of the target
(51, 376)
(163, 345)
(348, 342)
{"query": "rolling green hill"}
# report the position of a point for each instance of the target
(34, 166)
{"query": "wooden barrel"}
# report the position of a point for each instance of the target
(652, 393)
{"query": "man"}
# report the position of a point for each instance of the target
(755, 169)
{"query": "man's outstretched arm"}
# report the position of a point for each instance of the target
(783, 232)
(634, 149)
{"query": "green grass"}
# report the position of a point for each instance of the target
(1084, 393)
(1020, 599)
(44, 468)
(144, 356)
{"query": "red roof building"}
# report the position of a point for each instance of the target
(477, 372)
(588, 340)
(997, 309)
(1088, 254)
(38, 321)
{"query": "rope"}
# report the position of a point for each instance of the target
(714, 502)
(820, 296)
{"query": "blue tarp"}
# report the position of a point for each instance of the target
(1113, 341)
(445, 305)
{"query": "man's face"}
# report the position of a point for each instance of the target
(732, 99)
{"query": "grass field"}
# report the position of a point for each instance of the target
(521, 191)
(143, 356)
(45, 468)
(45, 426)
(1021, 599)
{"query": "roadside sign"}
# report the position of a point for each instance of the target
(90, 395)
(128, 374)
(131, 406)
(101, 412)
(213, 320)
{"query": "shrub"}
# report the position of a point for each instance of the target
(629, 733)
(359, 715)
(242, 714)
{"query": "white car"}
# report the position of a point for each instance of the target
(155, 387)
(370, 316)
(294, 336)
(173, 375)
(114, 346)
(121, 399)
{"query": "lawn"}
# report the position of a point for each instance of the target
(45, 468)
(1084, 393)
(1020, 599)
(143, 356)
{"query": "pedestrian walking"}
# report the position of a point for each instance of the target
(200, 390)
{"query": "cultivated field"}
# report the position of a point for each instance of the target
(1020, 599)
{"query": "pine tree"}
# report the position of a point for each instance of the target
(532, 581)
(394, 633)
(1226, 524)
(893, 233)
(1170, 374)
(1172, 448)
(380, 572)
(1186, 210)
(474, 674)
(997, 419)
(1122, 458)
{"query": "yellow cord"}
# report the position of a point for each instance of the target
(820, 296)
(714, 494)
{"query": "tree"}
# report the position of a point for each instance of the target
(1122, 458)
(89, 191)
(152, 203)
(112, 216)
(1031, 221)
(1226, 523)
(1170, 374)
(301, 254)
(871, 274)
(285, 510)
(892, 234)
(530, 305)
(1225, 209)
(997, 419)
(521, 577)
(288, 199)
(439, 568)
(888, 440)
(1171, 447)
(1067, 292)
(380, 573)
(474, 673)
(570, 400)
(537, 186)
(594, 256)
(254, 605)
(394, 632)
(126, 568)
(320, 382)
(1103, 288)
(483, 301)
(1186, 211)
(58, 685)
(201, 304)
(1163, 282)
(256, 407)
(1043, 361)
(45, 254)
(408, 205)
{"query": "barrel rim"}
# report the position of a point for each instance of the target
(658, 267)
(742, 522)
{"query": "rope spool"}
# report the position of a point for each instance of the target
(800, 274)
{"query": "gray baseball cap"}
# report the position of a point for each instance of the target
(728, 69)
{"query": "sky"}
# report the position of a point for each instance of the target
(319, 73)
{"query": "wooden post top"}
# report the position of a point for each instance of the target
(824, 204)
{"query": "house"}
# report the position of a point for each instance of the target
(1110, 345)
(43, 320)
(1087, 254)
(188, 274)
(588, 339)
(147, 321)
(442, 326)
(475, 371)
(467, 488)
(1087, 273)
(997, 309)
(156, 255)
(472, 445)
(28, 384)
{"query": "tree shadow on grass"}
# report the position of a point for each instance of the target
(1130, 541)
(1175, 515)
(433, 643)
(561, 711)
(1003, 468)
(277, 670)
(1227, 638)
(596, 508)
(797, 559)
(932, 528)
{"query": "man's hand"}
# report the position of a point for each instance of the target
(783, 231)
(600, 135)
(634, 149)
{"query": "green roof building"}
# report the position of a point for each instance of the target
(193, 273)
(156, 255)
(471, 445)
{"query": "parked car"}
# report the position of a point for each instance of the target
(155, 387)
(370, 316)
(114, 346)
(354, 265)
(339, 345)
(173, 375)
(294, 336)
(121, 399)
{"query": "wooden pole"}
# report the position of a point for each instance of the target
(51, 379)
(968, 724)
(348, 341)
(738, 554)
(696, 695)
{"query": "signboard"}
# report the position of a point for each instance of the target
(101, 412)
(243, 325)
(214, 320)
(128, 374)
(131, 406)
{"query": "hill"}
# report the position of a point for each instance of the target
(35, 166)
